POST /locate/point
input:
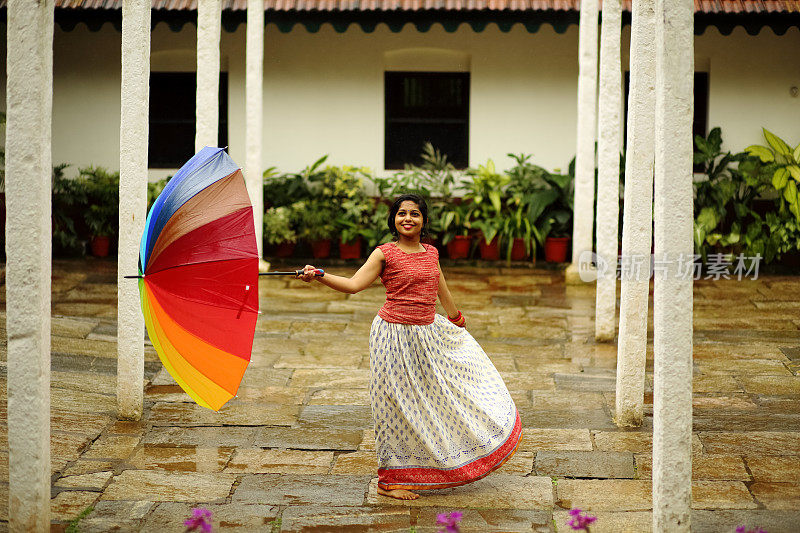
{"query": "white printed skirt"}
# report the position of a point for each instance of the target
(443, 416)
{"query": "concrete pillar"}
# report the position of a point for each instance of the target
(609, 145)
(672, 398)
(132, 203)
(587, 132)
(29, 99)
(254, 82)
(637, 220)
(209, 17)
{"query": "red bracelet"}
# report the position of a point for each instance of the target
(459, 320)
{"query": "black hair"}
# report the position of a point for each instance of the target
(423, 209)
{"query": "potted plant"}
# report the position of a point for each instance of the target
(102, 212)
(343, 188)
(554, 222)
(376, 232)
(454, 232)
(518, 234)
(485, 193)
(316, 224)
(352, 222)
(529, 194)
(278, 231)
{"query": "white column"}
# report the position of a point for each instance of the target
(637, 220)
(609, 145)
(583, 218)
(29, 98)
(132, 203)
(672, 398)
(209, 17)
(254, 82)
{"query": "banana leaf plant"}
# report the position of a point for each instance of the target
(485, 193)
(723, 202)
(783, 163)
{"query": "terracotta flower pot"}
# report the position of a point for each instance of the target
(491, 251)
(350, 250)
(458, 248)
(555, 249)
(518, 251)
(100, 245)
(284, 249)
(321, 249)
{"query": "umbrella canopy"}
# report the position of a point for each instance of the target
(198, 263)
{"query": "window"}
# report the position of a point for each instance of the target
(172, 117)
(426, 107)
(700, 118)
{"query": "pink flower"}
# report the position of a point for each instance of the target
(580, 521)
(743, 529)
(449, 521)
(198, 520)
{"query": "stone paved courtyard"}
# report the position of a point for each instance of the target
(295, 450)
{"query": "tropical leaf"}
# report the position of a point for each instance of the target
(790, 194)
(762, 152)
(796, 154)
(779, 178)
(794, 171)
(777, 143)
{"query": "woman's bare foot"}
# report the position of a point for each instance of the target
(399, 494)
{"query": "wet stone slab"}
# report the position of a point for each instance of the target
(486, 520)
(340, 397)
(584, 464)
(774, 468)
(115, 516)
(309, 438)
(777, 496)
(496, 491)
(753, 421)
(362, 463)
(296, 519)
(260, 461)
(610, 522)
(94, 481)
(331, 378)
(177, 459)
(231, 414)
(632, 441)
(69, 504)
(199, 436)
(704, 521)
(752, 442)
(711, 467)
(153, 485)
(282, 489)
(565, 418)
(250, 517)
(604, 495)
(336, 416)
(112, 447)
(534, 439)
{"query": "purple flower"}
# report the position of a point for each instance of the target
(580, 521)
(450, 522)
(743, 529)
(198, 520)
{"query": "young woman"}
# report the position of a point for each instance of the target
(443, 416)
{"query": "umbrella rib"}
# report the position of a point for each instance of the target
(197, 263)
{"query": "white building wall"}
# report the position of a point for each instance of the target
(323, 92)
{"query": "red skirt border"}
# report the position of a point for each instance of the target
(435, 478)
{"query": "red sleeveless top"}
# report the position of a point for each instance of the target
(412, 284)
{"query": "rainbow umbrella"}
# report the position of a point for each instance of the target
(198, 277)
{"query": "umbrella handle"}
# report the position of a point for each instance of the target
(317, 272)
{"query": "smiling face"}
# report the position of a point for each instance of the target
(409, 220)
